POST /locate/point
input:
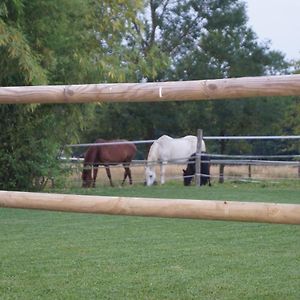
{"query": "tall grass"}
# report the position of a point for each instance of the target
(174, 172)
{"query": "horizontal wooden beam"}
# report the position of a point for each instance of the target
(285, 85)
(153, 207)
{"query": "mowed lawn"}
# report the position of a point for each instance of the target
(53, 255)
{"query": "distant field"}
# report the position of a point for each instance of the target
(50, 255)
(174, 172)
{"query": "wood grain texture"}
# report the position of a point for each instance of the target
(231, 88)
(153, 207)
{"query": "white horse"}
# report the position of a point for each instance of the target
(167, 149)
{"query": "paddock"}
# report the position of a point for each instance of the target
(284, 85)
(240, 167)
(58, 255)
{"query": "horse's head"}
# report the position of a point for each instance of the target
(86, 177)
(150, 176)
(187, 177)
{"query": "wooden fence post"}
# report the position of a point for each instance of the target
(198, 157)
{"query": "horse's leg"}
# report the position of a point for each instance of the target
(108, 175)
(162, 172)
(95, 172)
(127, 173)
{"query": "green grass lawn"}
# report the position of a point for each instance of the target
(53, 255)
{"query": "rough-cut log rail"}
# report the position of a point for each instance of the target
(245, 87)
(153, 207)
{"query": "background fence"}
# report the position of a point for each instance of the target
(234, 167)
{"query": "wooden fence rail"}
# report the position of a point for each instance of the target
(153, 207)
(284, 85)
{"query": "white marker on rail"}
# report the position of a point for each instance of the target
(160, 92)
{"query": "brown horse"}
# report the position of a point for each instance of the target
(107, 155)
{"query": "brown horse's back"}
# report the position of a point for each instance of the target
(114, 154)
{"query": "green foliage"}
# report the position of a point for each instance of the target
(18, 64)
(29, 152)
(40, 43)
(218, 45)
(190, 40)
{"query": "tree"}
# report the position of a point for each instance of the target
(226, 47)
(189, 40)
(54, 42)
(290, 123)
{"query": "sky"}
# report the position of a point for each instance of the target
(277, 21)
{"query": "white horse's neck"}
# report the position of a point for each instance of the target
(153, 154)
